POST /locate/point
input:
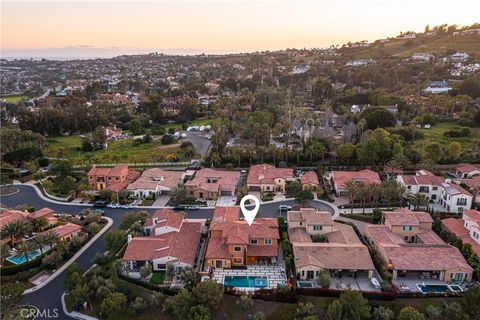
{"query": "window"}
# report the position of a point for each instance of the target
(409, 187)
(253, 241)
(219, 263)
(407, 228)
(434, 188)
(237, 249)
(317, 227)
(424, 189)
(461, 202)
(434, 196)
(268, 241)
(117, 178)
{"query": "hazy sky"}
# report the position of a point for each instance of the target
(71, 27)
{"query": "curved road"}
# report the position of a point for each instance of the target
(49, 297)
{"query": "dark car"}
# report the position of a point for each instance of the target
(100, 204)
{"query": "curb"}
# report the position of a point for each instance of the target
(72, 259)
(74, 314)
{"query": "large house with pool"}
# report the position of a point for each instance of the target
(320, 244)
(233, 243)
(169, 238)
(411, 250)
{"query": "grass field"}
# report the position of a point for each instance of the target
(121, 151)
(435, 134)
(15, 99)
(158, 277)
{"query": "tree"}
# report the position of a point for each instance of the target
(346, 152)
(188, 277)
(351, 306)
(470, 302)
(418, 200)
(39, 224)
(199, 312)
(453, 311)
(167, 139)
(368, 152)
(409, 313)
(179, 305)
(25, 248)
(51, 238)
(11, 294)
(145, 271)
(115, 239)
(351, 188)
(135, 127)
(4, 251)
(41, 241)
(324, 279)
(10, 230)
(138, 305)
(304, 310)
(383, 313)
(259, 316)
(303, 196)
(433, 312)
(245, 302)
(114, 303)
(293, 187)
(208, 293)
(170, 272)
(378, 118)
(454, 149)
(433, 151)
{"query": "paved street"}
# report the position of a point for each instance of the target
(49, 296)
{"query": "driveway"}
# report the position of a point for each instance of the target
(162, 201)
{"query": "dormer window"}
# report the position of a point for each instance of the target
(407, 228)
(268, 241)
(317, 227)
(237, 249)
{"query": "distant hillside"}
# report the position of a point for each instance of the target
(437, 45)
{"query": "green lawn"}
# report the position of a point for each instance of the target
(158, 277)
(15, 99)
(435, 134)
(121, 151)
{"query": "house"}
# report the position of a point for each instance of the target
(342, 253)
(360, 62)
(45, 213)
(338, 179)
(459, 56)
(268, 178)
(408, 247)
(169, 238)
(454, 198)
(210, 184)
(233, 243)
(423, 182)
(115, 179)
(467, 171)
(113, 133)
(155, 182)
(309, 180)
(423, 57)
(7, 216)
(438, 87)
(474, 186)
(466, 229)
(66, 231)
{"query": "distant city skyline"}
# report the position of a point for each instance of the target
(90, 29)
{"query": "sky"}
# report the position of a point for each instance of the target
(107, 28)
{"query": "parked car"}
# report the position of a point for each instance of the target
(194, 207)
(284, 207)
(100, 204)
(243, 171)
(98, 211)
(127, 206)
(113, 205)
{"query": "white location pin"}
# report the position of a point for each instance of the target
(249, 214)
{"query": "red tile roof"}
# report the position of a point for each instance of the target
(165, 217)
(309, 178)
(472, 215)
(225, 180)
(66, 229)
(467, 168)
(402, 217)
(366, 176)
(266, 174)
(457, 227)
(42, 213)
(7, 216)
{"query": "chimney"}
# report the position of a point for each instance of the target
(129, 238)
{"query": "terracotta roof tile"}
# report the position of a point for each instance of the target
(266, 174)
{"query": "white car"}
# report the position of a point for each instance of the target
(113, 205)
(184, 135)
(284, 207)
(127, 206)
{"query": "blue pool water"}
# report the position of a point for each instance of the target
(305, 284)
(439, 288)
(246, 282)
(19, 259)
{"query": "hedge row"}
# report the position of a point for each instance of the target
(8, 270)
(167, 291)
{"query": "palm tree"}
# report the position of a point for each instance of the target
(41, 240)
(51, 238)
(25, 248)
(10, 230)
(418, 200)
(4, 251)
(375, 192)
(39, 224)
(363, 193)
(23, 227)
(351, 188)
(403, 193)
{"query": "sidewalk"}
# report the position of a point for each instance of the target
(72, 259)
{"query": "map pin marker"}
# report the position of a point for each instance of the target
(249, 214)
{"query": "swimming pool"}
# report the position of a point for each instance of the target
(305, 284)
(245, 282)
(439, 288)
(20, 258)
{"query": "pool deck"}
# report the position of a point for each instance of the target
(275, 274)
(410, 284)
